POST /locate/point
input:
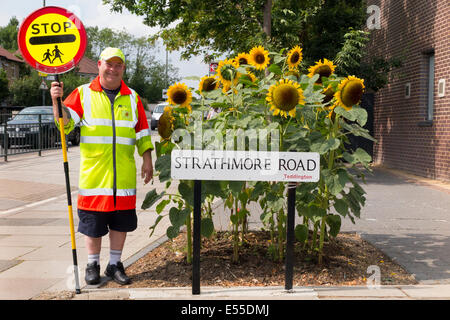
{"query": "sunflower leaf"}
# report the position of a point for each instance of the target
(274, 68)
(278, 59)
(150, 198)
(301, 233)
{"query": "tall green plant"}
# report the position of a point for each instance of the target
(298, 113)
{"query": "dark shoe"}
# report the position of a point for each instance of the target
(92, 273)
(117, 273)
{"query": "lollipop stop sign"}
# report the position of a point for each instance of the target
(52, 40)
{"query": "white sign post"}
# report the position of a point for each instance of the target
(291, 167)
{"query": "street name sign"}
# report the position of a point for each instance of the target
(245, 165)
(52, 40)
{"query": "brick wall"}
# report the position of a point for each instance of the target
(413, 29)
(11, 68)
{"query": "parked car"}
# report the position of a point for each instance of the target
(24, 129)
(156, 114)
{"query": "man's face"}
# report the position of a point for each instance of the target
(111, 72)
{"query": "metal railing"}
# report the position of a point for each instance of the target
(30, 137)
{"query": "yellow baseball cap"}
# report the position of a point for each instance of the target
(109, 53)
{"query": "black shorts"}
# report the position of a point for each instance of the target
(97, 224)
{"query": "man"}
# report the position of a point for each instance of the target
(112, 122)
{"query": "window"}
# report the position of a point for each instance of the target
(430, 87)
(441, 88)
(408, 90)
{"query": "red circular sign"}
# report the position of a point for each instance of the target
(52, 40)
(213, 67)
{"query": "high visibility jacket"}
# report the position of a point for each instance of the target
(109, 134)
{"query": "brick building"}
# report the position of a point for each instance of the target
(412, 113)
(88, 68)
(10, 63)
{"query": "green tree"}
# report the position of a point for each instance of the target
(8, 35)
(353, 59)
(25, 91)
(144, 73)
(4, 89)
(222, 26)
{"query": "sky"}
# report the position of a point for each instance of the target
(95, 13)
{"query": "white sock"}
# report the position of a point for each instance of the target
(114, 256)
(94, 257)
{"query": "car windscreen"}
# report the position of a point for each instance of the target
(33, 115)
(159, 108)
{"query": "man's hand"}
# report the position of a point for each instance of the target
(57, 91)
(147, 167)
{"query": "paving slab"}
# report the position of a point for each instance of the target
(26, 222)
(33, 240)
(360, 291)
(23, 289)
(6, 264)
(6, 203)
(39, 270)
(11, 253)
(27, 191)
(427, 291)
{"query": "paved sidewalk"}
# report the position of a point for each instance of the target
(35, 246)
(405, 216)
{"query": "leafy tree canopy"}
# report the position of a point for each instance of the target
(8, 35)
(205, 26)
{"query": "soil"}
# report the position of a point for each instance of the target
(345, 263)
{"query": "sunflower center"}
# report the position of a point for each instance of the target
(179, 96)
(259, 58)
(329, 94)
(285, 97)
(227, 72)
(243, 61)
(351, 93)
(208, 85)
(323, 71)
(165, 125)
(295, 57)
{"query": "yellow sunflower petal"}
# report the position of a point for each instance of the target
(259, 58)
(284, 96)
(350, 91)
(294, 57)
(179, 94)
(324, 69)
(208, 83)
(226, 71)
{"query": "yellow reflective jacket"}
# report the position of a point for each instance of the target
(109, 134)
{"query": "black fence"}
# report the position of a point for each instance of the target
(36, 135)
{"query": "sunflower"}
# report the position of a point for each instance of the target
(226, 71)
(293, 72)
(259, 58)
(329, 94)
(226, 88)
(350, 91)
(284, 96)
(294, 57)
(208, 83)
(249, 76)
(324, 69)
(242, 58)
(179, 94)
(165, 123)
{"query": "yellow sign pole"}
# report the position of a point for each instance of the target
(69, 195)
